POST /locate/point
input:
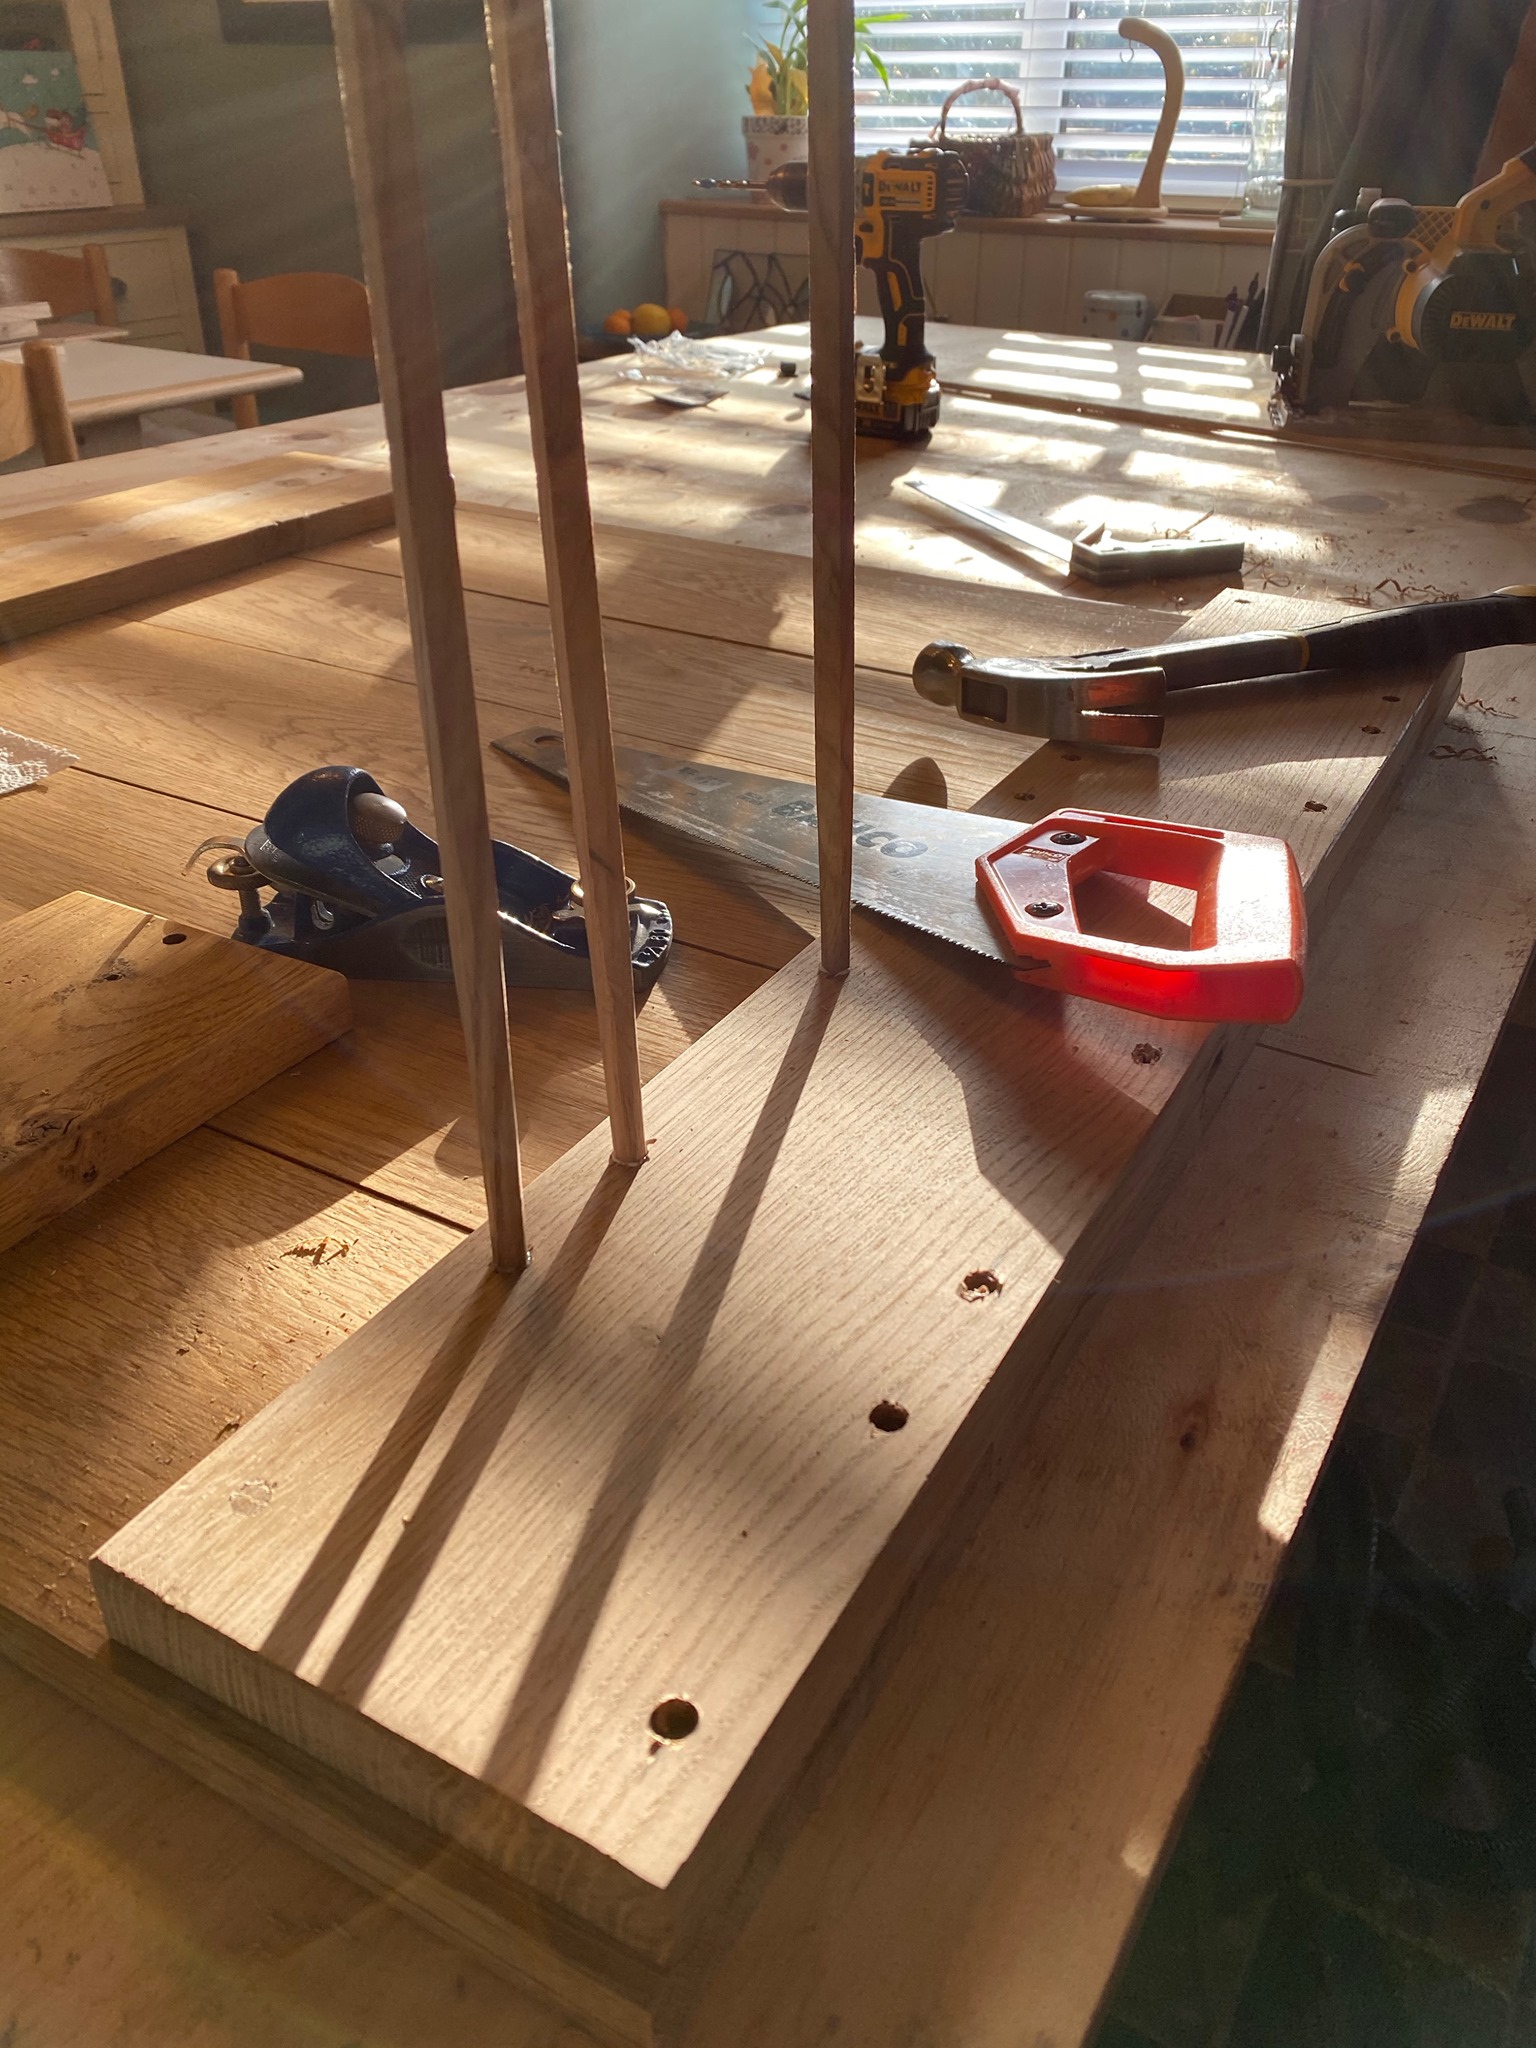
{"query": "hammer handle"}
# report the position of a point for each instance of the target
(1409, 636)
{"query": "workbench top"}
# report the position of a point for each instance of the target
(1045, 1700)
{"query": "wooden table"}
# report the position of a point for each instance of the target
(109, 386)
(981, 1841)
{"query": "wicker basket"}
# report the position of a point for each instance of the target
(1011, 175)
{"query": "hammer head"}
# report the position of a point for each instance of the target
(1121, 708)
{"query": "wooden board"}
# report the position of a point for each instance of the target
(972, 1758)
(1321, 521)
(387, 1108)
(1037, 1131)
(63, 563)
(124, 1032)
(756, 599)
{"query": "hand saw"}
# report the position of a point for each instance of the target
(1006, 891)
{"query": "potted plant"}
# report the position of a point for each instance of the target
(775, 130)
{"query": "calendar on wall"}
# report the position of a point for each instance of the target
(50, 158)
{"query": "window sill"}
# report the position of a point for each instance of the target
(1178, 227)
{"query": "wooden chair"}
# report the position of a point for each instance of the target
(33, 413)
(318, 310)
(69, 284)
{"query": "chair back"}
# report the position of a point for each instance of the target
(69, 284)
(319, 310)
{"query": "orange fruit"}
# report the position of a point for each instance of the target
(651, 321)
(619, 322)
(679, 319)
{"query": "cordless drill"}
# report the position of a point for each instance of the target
(900, 200)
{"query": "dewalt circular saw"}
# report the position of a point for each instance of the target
(1421, 306)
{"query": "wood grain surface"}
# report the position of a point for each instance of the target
(1037, 1723)
(123, 1032)
(688, 1514)
(392, 222)
(63, 563)
(522, 69)
(833, 259)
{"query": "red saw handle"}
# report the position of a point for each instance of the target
(1248, 935)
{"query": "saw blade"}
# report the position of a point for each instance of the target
(910, 862)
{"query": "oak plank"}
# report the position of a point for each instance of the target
(59, 564)
(124, 1031)
(1037, 1131)
(389, 1107)
(191, 1925)
(1052, 1693)
(159, 1317)
(966, 1762)
(755, 598)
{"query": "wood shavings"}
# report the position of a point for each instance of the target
(320, 1254)
(1477, 704)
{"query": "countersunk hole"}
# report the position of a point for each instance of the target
(889, 1416)
(546, 739)
(1391, 700)
(1370, 728)
(174, 939)
(1309, 805)
(977, 1286)
(673, 1719)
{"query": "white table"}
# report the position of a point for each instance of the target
(113, 384)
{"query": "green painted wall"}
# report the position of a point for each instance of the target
(651, 97)
(246, 140)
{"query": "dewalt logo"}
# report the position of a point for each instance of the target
(908, 190)
(1483, 323)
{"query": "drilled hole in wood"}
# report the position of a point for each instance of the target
(978, 1286)
(674, 1719)
(889, 1416)
(1391, 700)
(1370, 728)
(174, 939)
(1310, 806)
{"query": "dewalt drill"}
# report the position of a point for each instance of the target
(900, 200)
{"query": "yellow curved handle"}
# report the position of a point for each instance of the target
(1479, 214)
(1149, 193)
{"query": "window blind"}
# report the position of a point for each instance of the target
(1078, 81)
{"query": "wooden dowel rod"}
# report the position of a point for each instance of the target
(830, 80)
(376, 104)
(523, 68)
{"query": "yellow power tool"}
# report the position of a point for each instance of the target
(1411, 304)
(901, 200)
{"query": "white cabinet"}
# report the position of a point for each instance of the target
(147, 255)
